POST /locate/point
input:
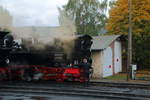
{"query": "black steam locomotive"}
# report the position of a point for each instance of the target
(15, 54)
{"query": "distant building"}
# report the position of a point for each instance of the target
(106, 56)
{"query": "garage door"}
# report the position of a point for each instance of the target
(107, 64)
(117, 61)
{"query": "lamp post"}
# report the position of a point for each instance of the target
(129, 59)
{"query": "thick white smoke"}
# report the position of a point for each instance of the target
(5, 19)
(39, 37)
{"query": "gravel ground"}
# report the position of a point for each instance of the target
(15, 96)
(52, 97)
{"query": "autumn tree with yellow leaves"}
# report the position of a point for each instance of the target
(118, 23)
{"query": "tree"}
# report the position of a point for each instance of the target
(118, 21)
(89, 15)
(118, 24)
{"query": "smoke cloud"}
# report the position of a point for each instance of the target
(5, 19)
(39, 38)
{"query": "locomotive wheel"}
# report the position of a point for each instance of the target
(60, 80)
(28, 79)
(2, 76)
(82, 79)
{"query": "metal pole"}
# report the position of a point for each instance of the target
(129, 59)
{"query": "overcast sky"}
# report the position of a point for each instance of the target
(33, 12)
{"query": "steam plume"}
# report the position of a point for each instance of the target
(43, 36)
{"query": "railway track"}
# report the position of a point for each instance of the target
(67, 90)
(123, 85)
(77, 84)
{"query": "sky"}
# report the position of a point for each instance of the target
(34, 12)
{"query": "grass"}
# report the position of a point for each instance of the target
(120, 76)
(140, 75)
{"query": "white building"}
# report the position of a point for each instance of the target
(106, 55)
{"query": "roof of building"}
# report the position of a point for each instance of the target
(102, 42)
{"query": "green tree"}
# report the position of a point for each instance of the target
(89, 15)
(118, 24)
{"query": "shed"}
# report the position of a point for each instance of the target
(106, 55)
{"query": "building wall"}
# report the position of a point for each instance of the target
(116, 56)
(107, 62)
(97, 64)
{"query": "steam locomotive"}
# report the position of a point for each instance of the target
(22, 62)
